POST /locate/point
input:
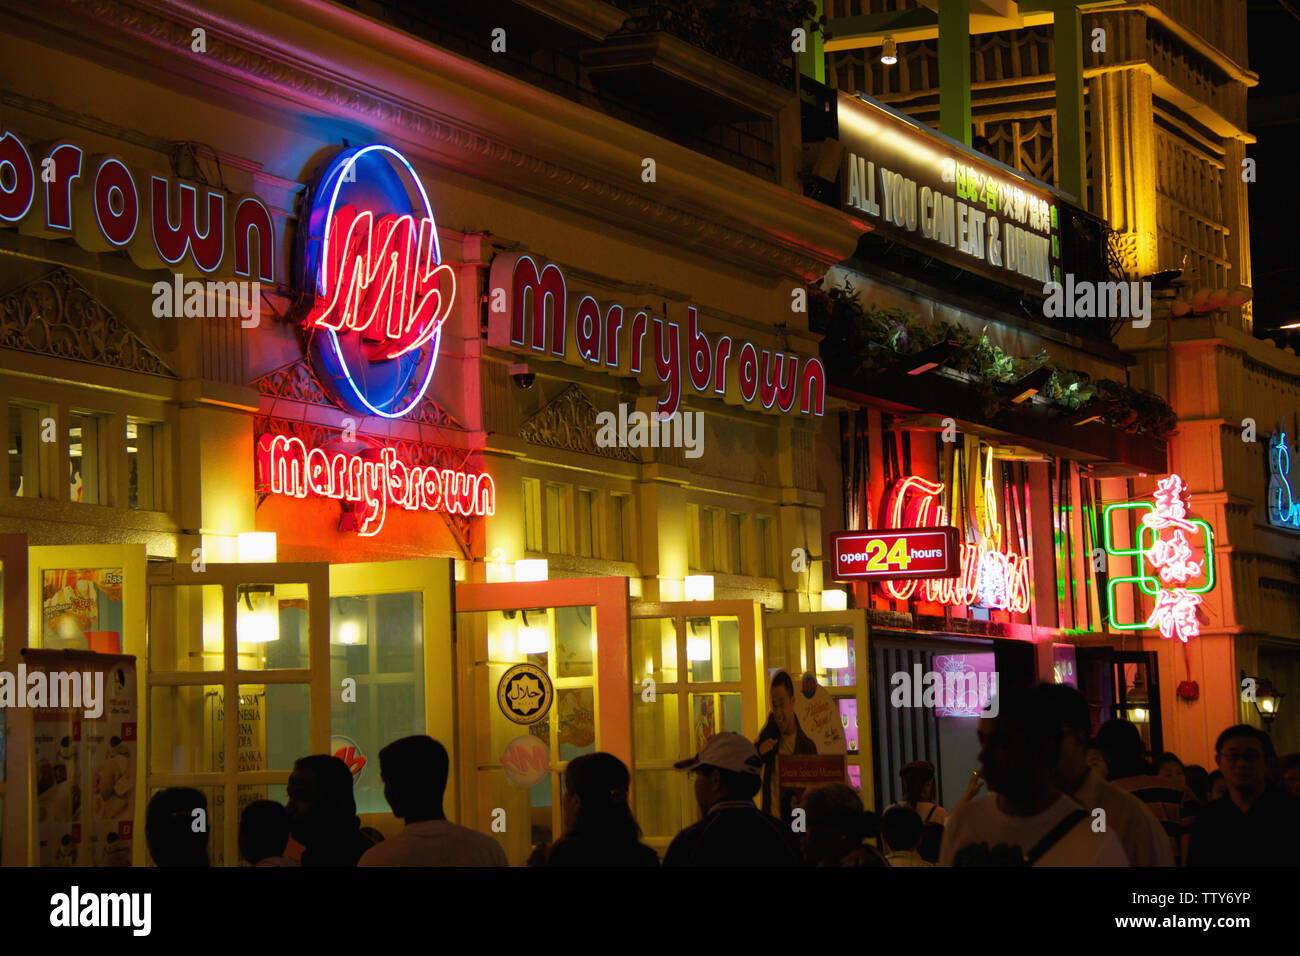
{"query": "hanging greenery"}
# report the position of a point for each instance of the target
(862, 341)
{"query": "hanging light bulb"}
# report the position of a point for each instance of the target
(259, 620)
(889, 51)
(835, 655)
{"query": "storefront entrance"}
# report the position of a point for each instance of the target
(543, 678)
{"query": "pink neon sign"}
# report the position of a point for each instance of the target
(374, 479)
(988, 577)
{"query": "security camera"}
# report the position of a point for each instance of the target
(523, 378)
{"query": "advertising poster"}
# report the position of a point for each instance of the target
(85, 749)
(798, 772)
(81, 609)
(819, 716)
(251, 741)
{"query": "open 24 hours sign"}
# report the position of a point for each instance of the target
(890, 554)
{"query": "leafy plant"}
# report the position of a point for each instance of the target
(861, 341)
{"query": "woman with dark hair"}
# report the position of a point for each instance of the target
(918, 792)
(1217, 788)
(169, 830)
(600, 829)
(780, 735)
(838, 829)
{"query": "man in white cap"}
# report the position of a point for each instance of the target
(732, 831)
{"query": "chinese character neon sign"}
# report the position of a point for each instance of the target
(372, 480)
(1283, 510)
(369, 255)
(989, 577)
(1162, 544)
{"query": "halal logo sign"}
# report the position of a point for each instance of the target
(369, 257)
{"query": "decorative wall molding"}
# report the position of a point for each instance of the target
(568, 422)
(253, 60)
(56, 315)
(297, 383)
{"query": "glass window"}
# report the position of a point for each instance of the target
(185, 628)
(85, 464)
(558, 539)
(186, 732)
(763, 545)
(24, 447)
(588, 522)
(708, 544)
(713, 649)
(654, 650)
(835, 657)
(693, 537)
(736, 558)
(142, 462)
(272, 626)
(620, 518)
(575, 641)
(784, 649)
(378, 641)
(659, 803)
(274, 725)
(532, 514)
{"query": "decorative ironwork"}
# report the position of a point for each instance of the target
(718, 30)
(56, 315)
(569, 422)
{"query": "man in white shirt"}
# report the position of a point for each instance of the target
(414, 771)
(1140, 833)
(1025, 820)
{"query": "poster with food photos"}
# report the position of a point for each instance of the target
(81, 608)
(85, 761)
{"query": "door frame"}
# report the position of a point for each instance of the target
(612, 665)
(16, 787)
(855, 619)
(315, 575)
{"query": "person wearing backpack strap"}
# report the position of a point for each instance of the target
(1025, 820)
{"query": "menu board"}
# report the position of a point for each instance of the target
(85, 758)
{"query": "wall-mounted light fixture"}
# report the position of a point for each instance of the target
(835, 600)
(533, 638)
(699, 587)
(258, 621)
(255, 547)
(531, 569)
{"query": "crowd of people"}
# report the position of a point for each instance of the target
(1056, 796)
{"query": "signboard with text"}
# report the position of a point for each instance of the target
(891, 554)
(939, 197)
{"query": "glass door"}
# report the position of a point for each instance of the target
(1137, 695)
(391, 671)
(832, 647)
(236, 684)
(542, 670)
(694, 674)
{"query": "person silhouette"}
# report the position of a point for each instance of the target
(170, 829)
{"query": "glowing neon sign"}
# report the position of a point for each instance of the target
(1162, 543)
(989, 577)
(369, 254)
(373, 479)
(1283, 510)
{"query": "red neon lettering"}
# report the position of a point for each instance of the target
(15, 202)
(287, 467)
(172, 242)
(253, 218)
(66, 159)
(382, 282)
(912, 503)
(699, 354)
